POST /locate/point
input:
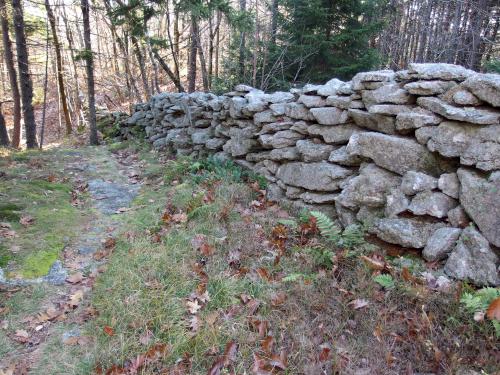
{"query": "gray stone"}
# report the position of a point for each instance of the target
(320, 176)
(274, 127)
(311, 101)
(329, 115)
(448, 183)
(480, 197)
(287, 153)
(236, 106)
(202, 136)
(369, 188)
(331, 87)
(396, 203)
(274, 193)
(468, 114)
(278, 109)
(317, 198)
(376, 76)
(416, 119)
(339, 101)
(391, 93)
(396, 154)
(280, 97)
(484, 155)
(368, 215)
(264, 116)
(429, 88)
(239, 146)
(472, 259)
(244, 88)
(390, 109)
(339, 134)
(464, 97)
(312, 151)
(345, 215)
(298, 111)
(340, 156)
(384, 124)
(441, 243)
(415, 182)
(432, 203)
(424, 134)
(412, 233)
(215, 143)
(293, 192)
(486, 87)
(257, 157)
(458, 217)
(446, 72)
(281, 139)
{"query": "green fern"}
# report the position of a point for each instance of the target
(385, 280)
(326, 227)
(480, 299)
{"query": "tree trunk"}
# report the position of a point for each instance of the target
(274, 21)
(140, 60)
(24, 75)
(11, 69)
(90, 72)
(169, 72)
(241, 58)
(60, 76)
(4, 136)
(193, 49)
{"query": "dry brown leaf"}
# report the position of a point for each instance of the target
(26, 220)
(21, 336)
(193, 306)
(278, 299)
(267, 344)
(75, 298)
(108, 330)
(358, 303)
(180, 218)
(75, 278)
(493, 311)
(207, 249)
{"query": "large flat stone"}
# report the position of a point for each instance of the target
(446, 72)
(377, 122)
(472, 115)
(412, 233)
(338, 134)
(480, 197)
(396, 154)
(432, 203)
(390, 93)
(473, 260)
(329, 115)
(312, 151)
(441, 243)
(486, 87)
(320, 176)
(428, 88)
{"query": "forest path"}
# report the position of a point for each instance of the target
(104, 185)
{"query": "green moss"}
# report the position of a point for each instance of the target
(4, 256)
(39, 263)
(52, 186)
(9, 212)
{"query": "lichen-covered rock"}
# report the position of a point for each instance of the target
(432, 203)
(484, 155)
(457, 217)
(486, 87)
(415, 182)
(441, 243)
(298, 111)
(416, 119)
(318, 198)
(342, 102)
(286, 153)
(397, 154)
(446, 72)
(390, 93)
(412, 233)
(377, 76)
(332, 87)
(396, 203)
(384, 124)
(312, 101)
(281, 139)
(339, 134)
(480, 197)
(369, 188)
(340, 156)
(345, 215)
(469, 114)
(472, 259)
(448, 183)
(312, 151)
(320, 176)
(390, 109)
(427, 88)
(329, 115)
(274, 127)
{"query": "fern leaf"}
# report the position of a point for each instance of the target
(326, 226)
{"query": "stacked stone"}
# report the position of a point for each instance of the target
(415, 153)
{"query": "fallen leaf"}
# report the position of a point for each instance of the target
(194, 323)
(324, 354)
(75, 278)
(180, 218)
(279, 361)
(75, 298)
(146, 337)
(109, 243)
(26, 220)
(207, 249)
(358, 303)
(263, 273)
(375, 264)
(230, 352)
(21, 336)
(193, 306)
(493, 311)
(278, 299)
(267, 344)
(108, 330)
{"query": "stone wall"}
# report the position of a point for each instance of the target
(416, 153)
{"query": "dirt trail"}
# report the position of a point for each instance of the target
(109, 182)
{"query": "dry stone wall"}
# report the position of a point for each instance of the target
(416, 153)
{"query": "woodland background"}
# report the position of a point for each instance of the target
(137, 48)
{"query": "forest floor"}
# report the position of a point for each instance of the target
(117, 260)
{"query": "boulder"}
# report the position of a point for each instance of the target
(311, 101)
(300, 127)
(293, 192)
(329, 115)
(215, 143)
(339, 101)
(429, 88)
(484, 155)
(397, 154)
(274, 193)
(377, 76)
(202, 136)
(465, 98)
(390, 93)
(280, 97)
(278, 109)
(312, 151)
(448, 183)
(473, 260)
(384, 124)
(432, 203)
(480, 197)
(416, 119)
(486, 87)
(298, 111)
(264, 116)
(458, 217)
(468, 114)
(321, 176)
(396, 203)
(339, 134)
(331, 87)
(412, 233)
(345, 215)
(439, 71)
(287, 153)
(369, 188)
(340, 156)
(441, 243)
(415, 182)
